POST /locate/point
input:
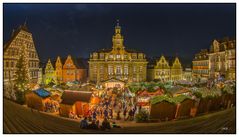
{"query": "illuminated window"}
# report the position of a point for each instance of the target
(118, 70)
(101, 69)
(118, 56)
(125, 69)
(110, 56)
(102, 56)
(134, 69)
(110, 69)
(141, 69)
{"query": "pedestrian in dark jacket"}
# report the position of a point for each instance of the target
(125, 112)
(105, 124)
(92, 125)
(105, 113)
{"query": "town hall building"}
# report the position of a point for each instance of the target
(117, 63)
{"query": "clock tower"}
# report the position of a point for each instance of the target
(118, 38)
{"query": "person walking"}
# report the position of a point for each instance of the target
(111, 113)
(105, 113)
(94, 114)
(84, 123)
(125, 112)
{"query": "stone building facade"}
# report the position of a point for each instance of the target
(68, 69)
(118, 63)
(201, 65)
(160, 69)
(220, 60)
(19, 38)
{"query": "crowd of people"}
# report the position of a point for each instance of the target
(95, 124)
(113, 106)
(51, 106)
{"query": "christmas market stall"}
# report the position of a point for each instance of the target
(185, 106)
(111, 83)
(209, 99)
(143, 97)
(76, 102)
(162, 108)
(36, 99)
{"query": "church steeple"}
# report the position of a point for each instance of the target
(118, 38)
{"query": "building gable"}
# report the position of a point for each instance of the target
(58, 63)
(162, 63)
(69, 64)
(176, 64)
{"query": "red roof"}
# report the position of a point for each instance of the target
(142, 103)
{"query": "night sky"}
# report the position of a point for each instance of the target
(155, 29)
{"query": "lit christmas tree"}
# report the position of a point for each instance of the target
(22, 76)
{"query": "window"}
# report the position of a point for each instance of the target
(101, 69)
(110, 69)
(141, 69)
(110, 56)
(125, 56)
(102, 56)
(12, 64)
(134, 56)
(134, 69)
(118, 56)
(95, 69)
(140, 56)
(95, 55)
(126, 70)
(118, 70)
(7, 64)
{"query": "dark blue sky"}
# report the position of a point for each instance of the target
(155, 29)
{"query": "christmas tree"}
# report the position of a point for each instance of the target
(22, 76)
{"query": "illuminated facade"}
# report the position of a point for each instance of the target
(161, 70)
(73, 70)
(59, 71)
(65, 70)
(118, 62)
(176, 70)
(201, 65)
(222, 58)
(187, 74)
(50, 74)
(19, 38)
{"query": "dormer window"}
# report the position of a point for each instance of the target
(102, 56)
(110, 56)
(118, 56)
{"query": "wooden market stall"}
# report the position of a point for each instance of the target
(112, 83)
(36, 99)
(143, 97)
(77, 102)
(184, 108)
(163, 110)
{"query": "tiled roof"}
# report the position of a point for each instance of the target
(42, 93)
(70, 97)
(79, 62)
(15, 33)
